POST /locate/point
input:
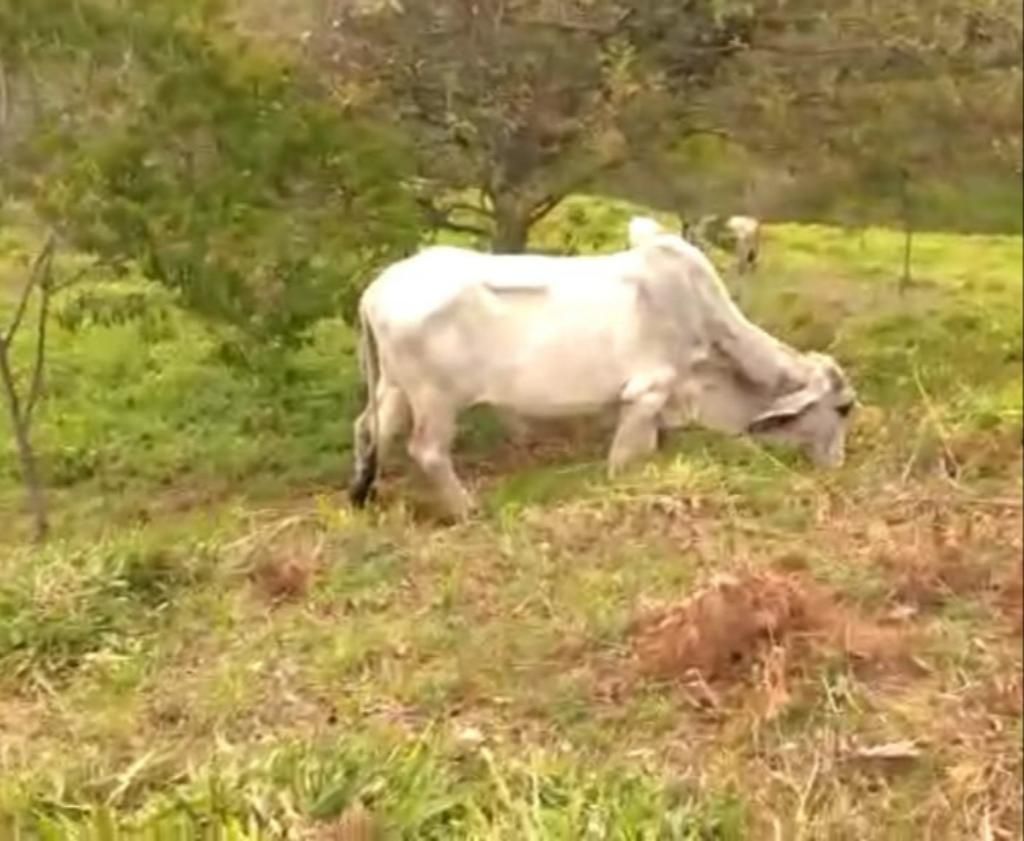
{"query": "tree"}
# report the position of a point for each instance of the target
(514, 105)
(21, 394)
(206, 158)
(21, 401)
(874, 105)
(154, 135)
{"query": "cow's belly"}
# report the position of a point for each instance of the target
(546, 395)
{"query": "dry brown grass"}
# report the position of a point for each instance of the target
(761, 619)
(942, 554)
(282, 559)
(354, 824)
(1011, 597)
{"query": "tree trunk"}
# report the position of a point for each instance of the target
(908, 231)
(26, 455)
(511, 230)
(908, 244)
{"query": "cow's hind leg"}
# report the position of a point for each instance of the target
(364, 458)
(638, 430)
(393, 416)
(430, 447)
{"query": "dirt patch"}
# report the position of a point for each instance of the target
(279, 577)
(754, 618)
(282, 560)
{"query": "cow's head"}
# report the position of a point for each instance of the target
(815, 417)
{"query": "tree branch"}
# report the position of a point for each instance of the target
(605, 30)
(4, 96)
(552, 199)
(36, 383)
(67, 283)
(709, 131)
(40, 268)
(468, 208)
(544, 207)
(463, 228)
(438, 218)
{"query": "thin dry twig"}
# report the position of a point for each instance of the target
(805, 795)
(940, 427)
(4, 96)
(68, 282)
(40, 270)
(36, 382)
(244, 545)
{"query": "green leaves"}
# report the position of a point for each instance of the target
(212, 164)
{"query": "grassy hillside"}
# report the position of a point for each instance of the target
(215, 646)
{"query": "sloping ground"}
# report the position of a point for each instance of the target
(724, 644)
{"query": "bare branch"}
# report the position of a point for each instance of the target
(469, 208)
(463, 228)
(545, 206)
(440, 219)
(553, 198)
(68, 282)
(698, 131)
(605, 30)
(36, 383)
(40, 268)
(4, 96)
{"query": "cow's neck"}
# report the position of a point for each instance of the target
(724, 395)
(766, 363)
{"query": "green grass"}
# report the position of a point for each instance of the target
(214, 645)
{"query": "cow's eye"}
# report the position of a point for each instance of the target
(845, 409)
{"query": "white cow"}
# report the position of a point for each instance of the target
(649, 332)
(746, 232)
(741, 234)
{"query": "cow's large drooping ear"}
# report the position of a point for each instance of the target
(787, 408)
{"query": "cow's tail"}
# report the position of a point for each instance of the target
(367, 432)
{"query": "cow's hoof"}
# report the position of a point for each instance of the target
(361, 496)
(465, 511)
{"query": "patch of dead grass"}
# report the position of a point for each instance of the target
(282, 558)
(755, 621)
(356, 823)
(1010, 597)
(942, 554)
(986, 453)
(1003, 694)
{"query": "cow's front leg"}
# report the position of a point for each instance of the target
(430, 447)
(637, 432)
